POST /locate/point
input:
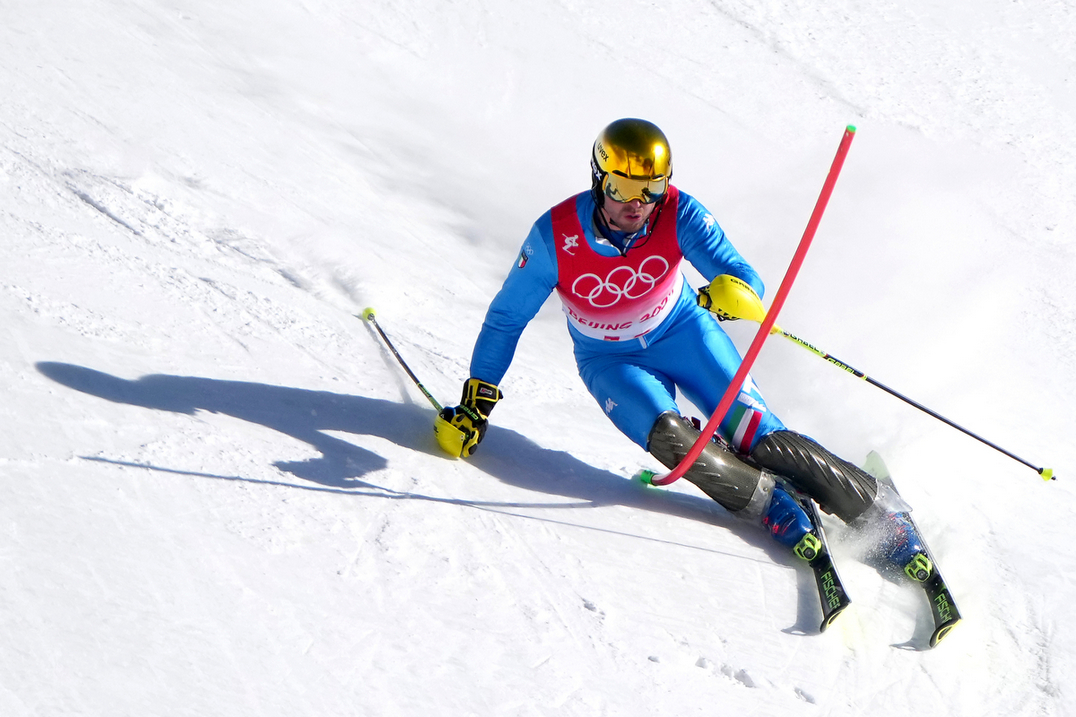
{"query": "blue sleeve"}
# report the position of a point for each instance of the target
(528, 285)
(704, 244)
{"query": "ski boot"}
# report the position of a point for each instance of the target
(901, 545)
(789, 525)
(888, 523)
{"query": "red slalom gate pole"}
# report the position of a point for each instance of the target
(769, 321)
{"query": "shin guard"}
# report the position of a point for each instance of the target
(838, 486)
(740, 488)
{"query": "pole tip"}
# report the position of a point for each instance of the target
(1047, 474)
(851, 129)
(368, 313)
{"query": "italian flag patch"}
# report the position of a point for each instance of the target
(742, 427)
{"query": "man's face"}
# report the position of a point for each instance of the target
(628, 216)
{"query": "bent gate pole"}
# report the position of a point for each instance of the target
(771, 317)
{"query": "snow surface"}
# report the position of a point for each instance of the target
(220, 495)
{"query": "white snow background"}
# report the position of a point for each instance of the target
(220, 494)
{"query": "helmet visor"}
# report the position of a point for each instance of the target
(624, 189)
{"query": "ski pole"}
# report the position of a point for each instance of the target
(1046, 473)
(369, 317)
(733, 298)
(771, 317)
(449, 437)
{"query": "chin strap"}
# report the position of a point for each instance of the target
(602, 227)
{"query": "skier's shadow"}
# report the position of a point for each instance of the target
(309, 416)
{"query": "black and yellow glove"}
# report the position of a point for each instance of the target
(730, 298)
(460, 429)
(706, 301)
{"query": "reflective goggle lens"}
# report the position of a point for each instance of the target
(625, 189)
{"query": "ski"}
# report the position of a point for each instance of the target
(923, 568)
(814, 549)
(942, 606)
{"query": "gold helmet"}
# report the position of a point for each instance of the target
(631, 160)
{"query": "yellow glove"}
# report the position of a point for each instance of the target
(729, 298)
(459, 430)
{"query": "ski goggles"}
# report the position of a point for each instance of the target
(624, 189)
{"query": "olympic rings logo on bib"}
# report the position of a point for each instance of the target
(622, 282)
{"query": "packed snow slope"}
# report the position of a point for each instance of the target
(220, 495)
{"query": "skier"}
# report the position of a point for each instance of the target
(613, 255)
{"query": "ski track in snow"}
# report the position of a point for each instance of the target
(221, 495)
